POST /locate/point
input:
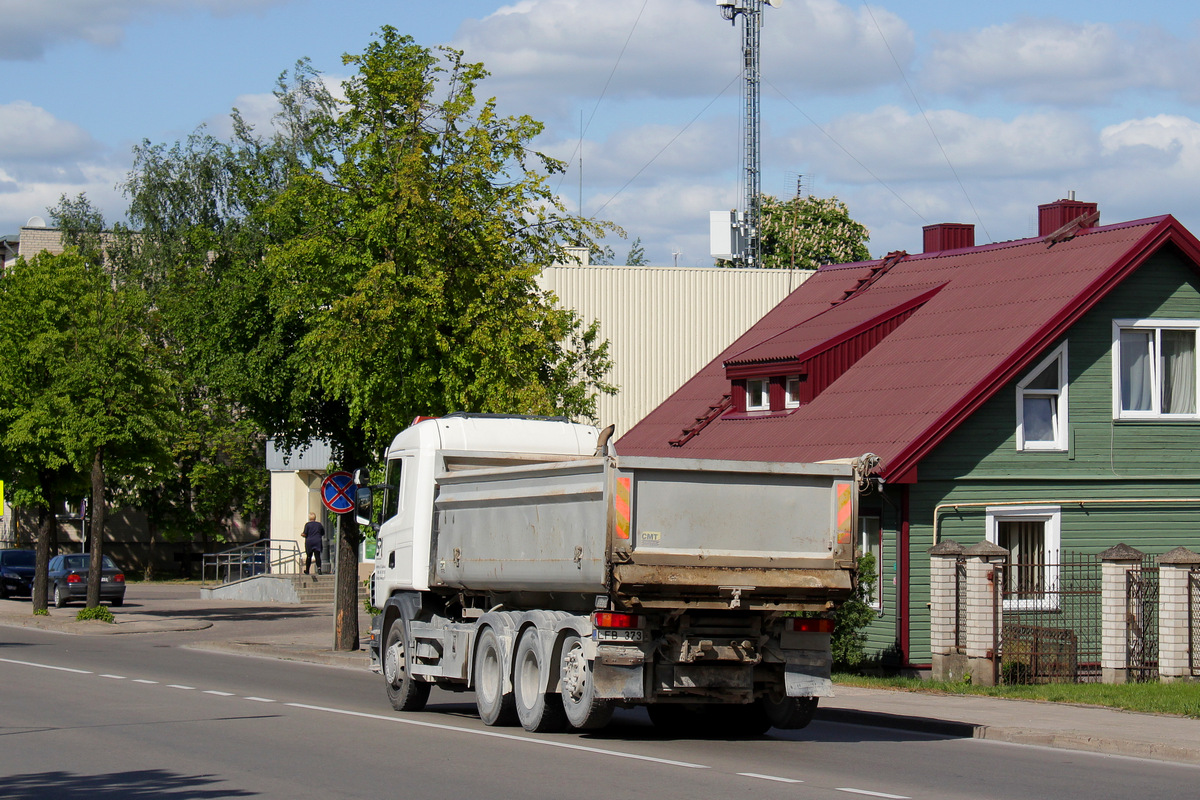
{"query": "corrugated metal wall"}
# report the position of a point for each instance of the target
(664, 323)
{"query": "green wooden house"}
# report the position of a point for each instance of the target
(1040, 394)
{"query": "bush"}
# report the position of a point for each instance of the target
(852, 617)
(101, 613)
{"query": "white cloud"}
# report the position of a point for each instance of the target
(545, 55)
(1059, 62)
(897, 145)
(31, 27)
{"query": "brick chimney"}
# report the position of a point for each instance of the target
(1053, 216)
(948, 236)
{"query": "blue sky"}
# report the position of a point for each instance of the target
(912, 112)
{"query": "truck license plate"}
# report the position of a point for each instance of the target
(618, 635)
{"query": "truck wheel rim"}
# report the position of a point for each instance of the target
(573, 674)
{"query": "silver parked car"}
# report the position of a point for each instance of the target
(68, 576)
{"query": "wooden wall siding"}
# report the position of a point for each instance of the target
(985, 446)
(979, 463)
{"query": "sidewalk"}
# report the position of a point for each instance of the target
(305, 633)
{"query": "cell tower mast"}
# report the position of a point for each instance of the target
(751, 13)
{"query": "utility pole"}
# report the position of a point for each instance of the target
(750, 12)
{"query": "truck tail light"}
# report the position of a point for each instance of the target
(812, 625)
(613, 619)
(74, 578)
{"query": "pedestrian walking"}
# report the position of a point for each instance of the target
(314, 537)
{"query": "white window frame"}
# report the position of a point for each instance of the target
(875, 602)
(1156, 325)
(1059, 443)
(1051, 519)
(791, 392)
(765, 405)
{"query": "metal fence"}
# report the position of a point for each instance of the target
(1141, 628)
(1049, 615)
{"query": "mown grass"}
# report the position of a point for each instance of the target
(1182, 698)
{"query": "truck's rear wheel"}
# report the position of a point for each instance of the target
(790, 713)
(496, 707)
(584, 711)
(539, 711)
(405, 692)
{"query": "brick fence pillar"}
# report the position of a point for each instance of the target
(1174, 570)
(1117, 561)
(948, 663)
(980, 618)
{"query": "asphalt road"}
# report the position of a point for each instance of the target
(140, 717)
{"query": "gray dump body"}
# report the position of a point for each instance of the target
(651, 532)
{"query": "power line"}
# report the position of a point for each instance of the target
(929, 124)
(699, 113)
(853, 157)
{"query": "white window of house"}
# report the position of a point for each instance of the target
(1031, 534)
(1154, 369)
(870, 540)
(791, 395)
(1042, 404)
(758, 394)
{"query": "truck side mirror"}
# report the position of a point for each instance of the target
(362, 505)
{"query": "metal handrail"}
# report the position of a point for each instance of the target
(248, 560)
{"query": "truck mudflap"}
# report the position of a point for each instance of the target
(806, 674)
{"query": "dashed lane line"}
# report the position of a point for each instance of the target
(180, 686)
(259, 699)
(219, 694)
(884, 795)
(114, 677)
(775, 778)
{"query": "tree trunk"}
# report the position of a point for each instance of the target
(47, 529)
(97, 530)
(345, 634)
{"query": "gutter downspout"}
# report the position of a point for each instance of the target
(903, 622)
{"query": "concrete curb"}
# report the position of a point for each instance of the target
(928, 725)
(98, 628)
(357, 659)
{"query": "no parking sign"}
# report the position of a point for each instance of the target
(337, 492)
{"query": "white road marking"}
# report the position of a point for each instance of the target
(498, 735)
(219, 694)
(876, 794)
(769, 777)
(179, 686)
(143, 680)
(114, 677)
(261, 699)
(46, 666)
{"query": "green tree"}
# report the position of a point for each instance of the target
(637, 254)
(853, 616)
(806, 232)
(372, 259)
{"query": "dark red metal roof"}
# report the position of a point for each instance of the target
(982, 315)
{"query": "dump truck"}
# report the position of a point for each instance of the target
(527, 561)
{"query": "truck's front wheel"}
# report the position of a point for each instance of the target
(405, 692)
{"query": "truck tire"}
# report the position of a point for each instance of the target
(404, 691)
(790, 713)
(539, 711)
(584, 711)
(496, 707)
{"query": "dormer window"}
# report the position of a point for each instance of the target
(791, 393)
(758, 394)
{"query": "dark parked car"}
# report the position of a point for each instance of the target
(68, 579)
(16, 572)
